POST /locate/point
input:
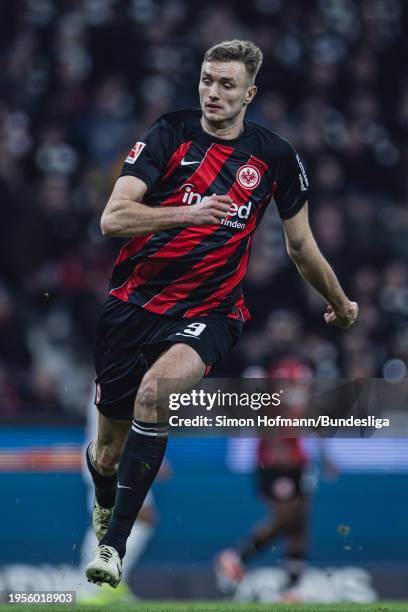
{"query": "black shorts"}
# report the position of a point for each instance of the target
(129, 339)
(280, 484)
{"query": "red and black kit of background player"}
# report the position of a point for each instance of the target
(184, 284)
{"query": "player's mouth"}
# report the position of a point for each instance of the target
(213, 107)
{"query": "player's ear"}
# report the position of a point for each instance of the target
(251, 93)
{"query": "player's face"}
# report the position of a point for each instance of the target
(225, 90)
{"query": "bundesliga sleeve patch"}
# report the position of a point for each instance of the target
(304, 183)
(135, 152)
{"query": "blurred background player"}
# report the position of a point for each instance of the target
(282, 467)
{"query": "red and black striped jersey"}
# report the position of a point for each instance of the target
(190, 271)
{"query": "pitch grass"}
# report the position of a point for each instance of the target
(183, 606)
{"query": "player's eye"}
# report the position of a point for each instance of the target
(206, 81)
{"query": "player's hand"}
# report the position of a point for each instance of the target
(210, 211)
(344, 318)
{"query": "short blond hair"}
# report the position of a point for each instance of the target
(236, 50)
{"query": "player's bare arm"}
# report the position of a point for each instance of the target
(125, 214)
(314, 268)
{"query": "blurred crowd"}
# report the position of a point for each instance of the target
(80, 82)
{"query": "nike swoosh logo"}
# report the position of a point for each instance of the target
(186, 163)
(123, 487)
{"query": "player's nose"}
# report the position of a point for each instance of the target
(213, 93)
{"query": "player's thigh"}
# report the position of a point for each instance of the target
(181, 367)
(180, 362)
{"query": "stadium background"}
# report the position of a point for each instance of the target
(80, 81)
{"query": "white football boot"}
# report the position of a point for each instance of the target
(106, 567)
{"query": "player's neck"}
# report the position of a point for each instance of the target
(225, 132)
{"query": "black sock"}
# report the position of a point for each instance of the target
(249, 549)
(105, 486)
(141, 459)
(294, 564)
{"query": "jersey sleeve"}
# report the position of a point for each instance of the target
(148, 158)
(293, 185)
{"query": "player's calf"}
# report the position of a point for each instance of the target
(105, 485)
(107, 459)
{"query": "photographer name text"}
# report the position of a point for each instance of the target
(278, 421)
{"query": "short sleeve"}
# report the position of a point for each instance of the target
(293, 185)
(148, 158)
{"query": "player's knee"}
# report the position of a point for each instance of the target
(107, 459)
(147, 405)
